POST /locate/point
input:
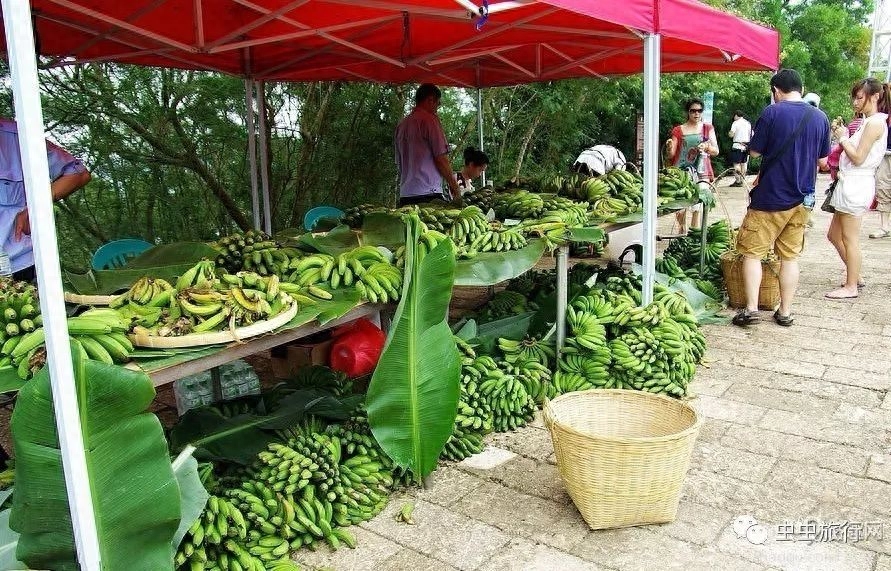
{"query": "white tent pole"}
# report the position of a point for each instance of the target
(252, 149)
(29, 116)
(264, 157)
(651, 161)
(479, 121)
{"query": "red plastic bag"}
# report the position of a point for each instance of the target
(357, 348)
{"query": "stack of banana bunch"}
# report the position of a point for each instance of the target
(505, 303)
(625, 195)
(19, 308)
(268, 258)
(535, 378)
(99, 332)
(231, 248)
(484, 198)
(474, 418)
(675, 184)
(466, 226)
(552, 228)
(520, 204)
(591, 189)
(496, 239)
(365, 268)
(571, 212)
(585, 360)
(512, 407)
(561, 184)
(530, 349)
(434, 218)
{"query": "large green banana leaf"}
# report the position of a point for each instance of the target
(107, 282)
(177, 253)
(135, 494)
(413, 396)
(491, 268)
(192, 495)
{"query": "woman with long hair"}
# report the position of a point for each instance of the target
(856, 186)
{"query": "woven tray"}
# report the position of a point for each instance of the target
(216, 337)
(88, 299)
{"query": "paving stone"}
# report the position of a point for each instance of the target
(827, 429)
(876, 381)
(732, 462)
(711, 430)
(764, 501)
(709, 386)
(788, 366)
(880, 468)
(831, 487)
(523, 555)
(441, 533)
(725, 409)
(370, 554)
(886, 402)
(860, 416)
(411, 559)
(841, 325)
(835, 392)
(697, 523)
(633, 549)
(795, 555)
(731, 372)
(490, 457)
(529, 476)
(780, 399)
(835, 457)
(446, 485)
(527, 441)
(884, 563)
(555, 524)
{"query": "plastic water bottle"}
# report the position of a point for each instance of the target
(5, 264)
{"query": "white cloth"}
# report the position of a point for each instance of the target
(465, 184)
(857, 183)
(601, 159)
(741, 132)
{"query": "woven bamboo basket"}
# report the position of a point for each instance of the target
(768, 294)
(623, 455)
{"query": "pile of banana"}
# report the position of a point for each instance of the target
(462, 444)
(466, 226)
(474, 418)
(569, 211)
(624, 195)
(99, 332)
(505, 303)
(535, 377)
(686, 253)
(519, 204)
(440, 219)
(562, 184)
(675, 184)
(530, 349)
(355, 215)
(19, 308)
(512, 407)
(365, 269)
(497, 239)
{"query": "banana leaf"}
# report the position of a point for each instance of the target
(704, 308)
(340, 239)
(192, 495)
(8, 539)
(413, 397)
(10, 381)
(178, 253)
(107, 282)
(342, 303)
(587, 235)
(135, 494)
(513, 327)
(490, 268)
(383, 229)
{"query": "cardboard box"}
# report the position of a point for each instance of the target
(289, 359)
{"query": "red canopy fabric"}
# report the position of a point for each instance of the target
(401, 41)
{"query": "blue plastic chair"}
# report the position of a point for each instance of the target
(313, 215)
(116, 254)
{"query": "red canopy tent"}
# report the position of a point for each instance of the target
(441, 41)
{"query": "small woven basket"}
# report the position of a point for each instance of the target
(623, 455)
(768, 294)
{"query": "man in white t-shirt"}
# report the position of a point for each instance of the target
(741, 133)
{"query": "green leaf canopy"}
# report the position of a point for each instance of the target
(413, 396)
(135, 493)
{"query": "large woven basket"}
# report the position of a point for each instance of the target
(623, 455)
(768, 294)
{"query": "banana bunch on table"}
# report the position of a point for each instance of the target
(365, 269)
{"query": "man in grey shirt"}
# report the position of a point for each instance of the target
(422, 151)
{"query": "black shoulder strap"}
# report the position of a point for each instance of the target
(768, 161)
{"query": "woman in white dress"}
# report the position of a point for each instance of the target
(856, 187)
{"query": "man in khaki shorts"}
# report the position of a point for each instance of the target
(883, 193)
(792, 138)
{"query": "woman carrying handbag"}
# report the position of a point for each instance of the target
(856, 186)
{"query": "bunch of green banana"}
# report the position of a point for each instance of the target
(148, 292)
(628, 285)
(668, 265)
(572, 212)
(530, 348)
(287, 470)
(219, 521)
(427, 242)
(200, 276)
(505, 303)
(498, 240)
(466, 349)
(593, 366)
(474, 411)
(592, 189)
(534, 376)
(520, 204)
(674, 302)
(19, 309)
(656, 360)
(565, 382)
(355, 215)
(649, 316)
(559, 184)
(462, 444)
(585, 329)
(270, 259)
(511, 405)
(433, 217)
(687, 252)
(468, 225)
(236, 250)
(675, 184)
(552, 228)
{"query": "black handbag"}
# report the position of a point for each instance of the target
(826, 207)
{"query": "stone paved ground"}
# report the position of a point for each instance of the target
(797, 425)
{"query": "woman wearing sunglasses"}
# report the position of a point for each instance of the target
(691, 146)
